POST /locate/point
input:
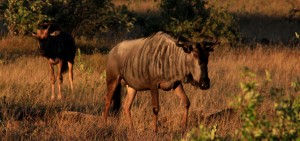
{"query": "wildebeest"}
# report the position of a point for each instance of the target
(58, 47)
(153, 63)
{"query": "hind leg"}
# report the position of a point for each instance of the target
(179, 91)
(60, 79)
(52, 81)
(111, 88)
(70, 66)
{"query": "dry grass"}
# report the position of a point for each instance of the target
(26, 112)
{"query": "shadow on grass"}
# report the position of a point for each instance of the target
(268, 30)
(29, 111)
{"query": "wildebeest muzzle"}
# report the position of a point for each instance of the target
(203, 84)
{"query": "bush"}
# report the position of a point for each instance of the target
(192, 19)
(203, 134)
(84, 18)
(283, 125)
(22, 16)
(91, 17)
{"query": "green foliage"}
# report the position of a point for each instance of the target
(183, 10)
(203, 134)
(283, 125)
(84, 18)
(22, 15)
(91, 17)
(192, 19)
(81, 65)
(296, 85)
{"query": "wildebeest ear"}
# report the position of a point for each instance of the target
(187, 48)
(209, 48)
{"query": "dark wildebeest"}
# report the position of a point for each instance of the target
(59, 49)
(156, 62)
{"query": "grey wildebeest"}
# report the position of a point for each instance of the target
(59, 49)
(153, 63)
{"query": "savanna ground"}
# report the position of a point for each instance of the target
(26, 112)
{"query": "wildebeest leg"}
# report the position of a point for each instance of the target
(179, 91)
(127, 106)
(111, 88)
(70, 66)
(155, 106)
(59, 78)
(52, 81)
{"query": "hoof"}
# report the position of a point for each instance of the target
(59, 97)
(52, 98)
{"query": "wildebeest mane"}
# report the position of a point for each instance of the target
(164, 38)
(168, 41)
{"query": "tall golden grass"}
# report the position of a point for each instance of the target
(26, 112)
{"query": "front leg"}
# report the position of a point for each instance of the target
(179, 91)
(52, 78)
(59, 78)
(155, 105)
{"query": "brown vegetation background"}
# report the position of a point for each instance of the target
(26, 112)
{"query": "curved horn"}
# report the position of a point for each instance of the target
(217, 39)
(48, 27)
(211, 45)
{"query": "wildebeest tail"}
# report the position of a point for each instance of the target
(65, 67)
(116, 100)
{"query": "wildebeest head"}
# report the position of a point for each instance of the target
(199, 52)
(42, 33)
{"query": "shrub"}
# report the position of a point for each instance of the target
(203, 134)
(91, 17)
(283, 125)
(22, 16)
(84, 18)
(192, 19)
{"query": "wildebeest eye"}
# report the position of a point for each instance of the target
(188, 48)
